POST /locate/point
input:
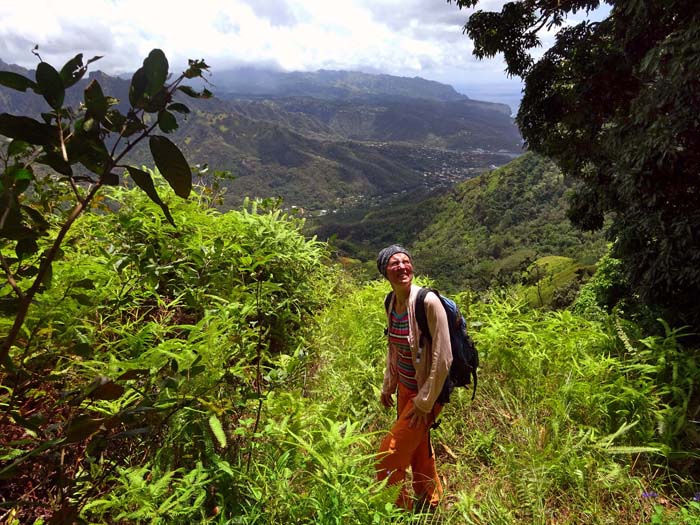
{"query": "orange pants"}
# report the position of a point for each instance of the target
(404, 446)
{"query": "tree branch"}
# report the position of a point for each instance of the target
(542, 21)
(10, 277)
(74, 186)
(44, 268)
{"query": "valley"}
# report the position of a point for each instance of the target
(323, 142)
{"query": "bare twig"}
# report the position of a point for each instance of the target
(10, 277)
(74, 186)
(60, 137)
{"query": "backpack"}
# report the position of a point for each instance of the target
(465, 357)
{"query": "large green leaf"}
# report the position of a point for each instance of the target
(106, 389)
(133, 125)
(155, 67)
(13, 227)
(87, 284)
(88, 148)
(16, 232)
(50, 84)
(158, 101)
(114, 120)
(28, 130)
(87, 126)
(21, 172)
(47, 281)
(218, 430)
(167, 121)
(72, 71)
(26, 247)
(37, 218)
(139, 82)
(16, 81)
(91, 152)
(110, 179)
(95, 101)
(191, 92)
(180, 108)
(143, 180)
(172, 164)
(22, 177)
(82, 427)
(148, 82)
(18, 147)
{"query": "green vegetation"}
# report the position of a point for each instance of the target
(223, 372)
(139, 376)
(490, 229)
(615, 104)
(82, 148)
(486, 232)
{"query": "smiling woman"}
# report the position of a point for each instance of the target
(399, 272)
(416, 368)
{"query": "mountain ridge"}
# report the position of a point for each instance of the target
(319, 152)
(329, 84)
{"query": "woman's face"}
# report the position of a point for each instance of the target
(399, 270)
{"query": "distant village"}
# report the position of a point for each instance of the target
(441, 168)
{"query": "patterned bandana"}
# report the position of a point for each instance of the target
(386, 254)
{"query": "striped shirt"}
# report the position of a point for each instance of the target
(398, 336)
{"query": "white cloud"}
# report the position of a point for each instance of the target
(400, 37)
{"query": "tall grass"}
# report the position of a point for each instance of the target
(565, 427)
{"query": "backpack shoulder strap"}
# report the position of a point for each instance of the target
(387, 304)
(421, 318)
(387, 301)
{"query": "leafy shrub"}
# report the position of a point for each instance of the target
(154, 350)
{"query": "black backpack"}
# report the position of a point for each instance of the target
(465, 358)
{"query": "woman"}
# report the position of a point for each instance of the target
(417, 369)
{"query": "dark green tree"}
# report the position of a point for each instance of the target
(82, 149)
(616, 103)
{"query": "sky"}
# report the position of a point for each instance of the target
(398, 37)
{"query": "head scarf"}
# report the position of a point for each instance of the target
(387, 253)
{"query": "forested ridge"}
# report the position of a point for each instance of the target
(486, 232)
(163, 361)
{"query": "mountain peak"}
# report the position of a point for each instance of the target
(330, 84)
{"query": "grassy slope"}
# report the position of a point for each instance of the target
(562, 401)
(548, 438)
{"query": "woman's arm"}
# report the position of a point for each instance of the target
(441, 354)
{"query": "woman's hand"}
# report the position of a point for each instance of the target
(387, 400)
(417, 416)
